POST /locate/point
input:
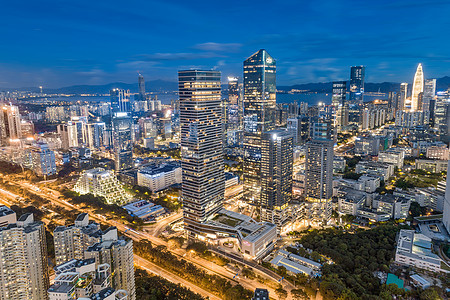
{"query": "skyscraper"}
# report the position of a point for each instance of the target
(417, 88)
(233, 90)
(23, 257)
(9, 124)
(259, 116)
(120, 100)
(339, 93)
(402, 96)
(201, 147)
(319, 178)
(276, 176)
(340, 106)
(429, 92)
(122, 141)
(357, 75)
(141, 84)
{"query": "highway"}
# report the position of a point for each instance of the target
(208, 266)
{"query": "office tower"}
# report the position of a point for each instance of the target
(120, 100)
(42, 159)
(141, 84)
(417, 88)
(429, 92)
(27, 128)
(339, 93)
(402, 96)
(277, 160)
(95, 135)
(233, 90)
(357, 75)
(201, 143)
(122, 141)
(9, 124)
(319, 178)
(259, 116)
(118, 254)
(23, 260)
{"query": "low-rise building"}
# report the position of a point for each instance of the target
(438, 152)
(350, 201)
(231, 179)
(338, 164)
(157, 178)
(383, 170)
(432, 166)
(397, 207)
(367, 145)
(414, 249)
(296, 264)
(144, 209)
(393, 156)
(102, 183)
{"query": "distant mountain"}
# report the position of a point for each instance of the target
(167, 86)
(150, 86)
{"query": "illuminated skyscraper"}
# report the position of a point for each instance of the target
(340, 106)
(319, 178)
(233, 90)
(122, 141)
(276, 176)
(429, 92)
(202, 165)
(259, 116)
(402, 96)
(417, 88)
(120, 100)
(9, 123)
(357, 75)
(234, 112)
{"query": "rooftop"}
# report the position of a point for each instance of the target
(5, 210)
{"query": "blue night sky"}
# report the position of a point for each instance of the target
(60, 43)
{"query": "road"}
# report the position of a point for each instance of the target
(155, 269)
(156, 229)
(209, 267)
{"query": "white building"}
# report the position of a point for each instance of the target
(350, 201)
(23, 260)
(102, 183)
(397, 207)
(416, 250)
(438, 152)
(383, 170)
(160, 177)
(392, 156)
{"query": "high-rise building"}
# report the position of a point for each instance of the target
(402, 96)
(9, 124)
(417, 88)
(120, 100)
(118, 254)
(339, 93)
(276, 176)
(259, 116)
(122, 141)
(446, 216)
(203, 185)
(319, 178)
(233, 90)
(429, 92)
(141, 84)
(42, 159)
(23, 257)
(357, 75)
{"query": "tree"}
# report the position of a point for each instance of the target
(282, 270)
(281, 293)
(429, 294)
(299, 294)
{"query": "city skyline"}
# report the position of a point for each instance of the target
(71, 44)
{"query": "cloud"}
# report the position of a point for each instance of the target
(178, 56)
(219, 47)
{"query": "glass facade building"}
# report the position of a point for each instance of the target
(417, 89)
(201, 148)
(276, 176)
(259, 116)
(122, 141)
(357, 75)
